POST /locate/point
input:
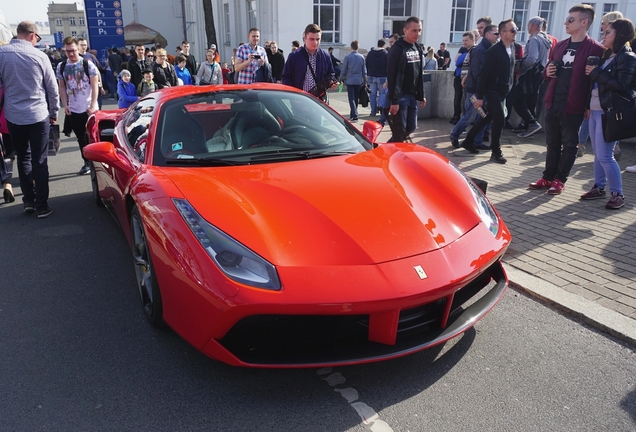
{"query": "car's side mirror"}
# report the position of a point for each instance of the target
(105, 153)
(371, 130)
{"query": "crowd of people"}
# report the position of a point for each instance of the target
(573, 82)
(493, 75)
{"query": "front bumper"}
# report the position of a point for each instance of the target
(274, 341)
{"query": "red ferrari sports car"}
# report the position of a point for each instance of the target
(267, 231)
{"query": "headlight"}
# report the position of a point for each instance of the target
(235, 260)
(484, 208)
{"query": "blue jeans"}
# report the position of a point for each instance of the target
(470, 115)
(375, 86)
(383, 105)
(31, 143)
(606, 169)
(353, 91)
(584, 131)
(408, 112)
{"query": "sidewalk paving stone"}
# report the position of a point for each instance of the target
(565, 251)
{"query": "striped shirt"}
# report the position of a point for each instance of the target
(246, 75)
(31, 94)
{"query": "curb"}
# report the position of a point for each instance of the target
(575, 306)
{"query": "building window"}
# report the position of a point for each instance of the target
(460, 19)
(251, 13)
(74, 33)
(546, 11)
(398, 8)
(226, 14)
(58, 21)
(327, 16)
(72, 21)
(520, 17)
(81, 21)
(607, 8)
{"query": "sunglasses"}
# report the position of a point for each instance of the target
(570, 20)
(37, 37)
(495, 33)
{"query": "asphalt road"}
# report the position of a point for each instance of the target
(76, 354)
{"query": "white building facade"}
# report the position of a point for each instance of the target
(345, 20)
(369, 20)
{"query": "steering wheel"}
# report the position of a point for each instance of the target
(280, 134)
(290, 129)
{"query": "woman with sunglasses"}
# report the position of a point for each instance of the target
(164, 73)
(615, 75)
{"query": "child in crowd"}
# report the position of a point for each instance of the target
(225, 70)
(182, 72)
(147, 85)
(126, 93)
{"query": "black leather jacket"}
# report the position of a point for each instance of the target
(617, 82)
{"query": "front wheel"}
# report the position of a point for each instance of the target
(95, 187)
(146, 279)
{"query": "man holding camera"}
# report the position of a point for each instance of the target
(249, 58)
(564, 101)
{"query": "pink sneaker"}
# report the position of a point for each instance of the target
(540, 184)
(556, 188)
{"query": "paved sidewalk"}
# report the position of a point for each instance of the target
(574, 254)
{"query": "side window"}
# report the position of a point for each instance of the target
(136, 125)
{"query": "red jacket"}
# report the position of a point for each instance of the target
(579, 82)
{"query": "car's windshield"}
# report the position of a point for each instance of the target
(244, 125)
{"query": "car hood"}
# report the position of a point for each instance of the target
(380, 205)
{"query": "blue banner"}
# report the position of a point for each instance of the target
(105, 25)
(59, 38)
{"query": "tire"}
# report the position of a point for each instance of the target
(149, 292)
(95, 187)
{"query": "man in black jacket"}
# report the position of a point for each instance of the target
(276, 58)
(495, 81)
(138, 64)
(376, 70)
(404, 77)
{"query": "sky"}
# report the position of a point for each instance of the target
(32, 10)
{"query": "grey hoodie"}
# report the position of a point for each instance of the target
(536, 52)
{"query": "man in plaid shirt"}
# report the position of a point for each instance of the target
(249, 58)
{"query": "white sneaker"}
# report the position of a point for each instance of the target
(631, 169)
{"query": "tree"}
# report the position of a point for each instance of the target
(210, 29)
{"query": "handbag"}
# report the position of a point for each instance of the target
(320, 89)
(6, 164)
(363, 98)
(619, 123)
(54, 139)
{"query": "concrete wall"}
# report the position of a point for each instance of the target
(442, 94)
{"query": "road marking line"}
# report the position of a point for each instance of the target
(367, 414)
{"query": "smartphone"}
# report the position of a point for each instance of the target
(257, 57)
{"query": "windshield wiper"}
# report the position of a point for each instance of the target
(204, 161)
(285, 154)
